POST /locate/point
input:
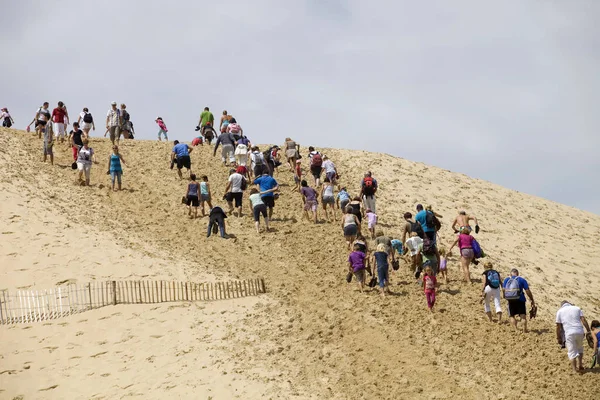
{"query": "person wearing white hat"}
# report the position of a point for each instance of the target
(113, 122)
(570, 319)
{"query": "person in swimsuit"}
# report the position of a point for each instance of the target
(350, 225)
(462, 221)
(356, 205)
(327, 198)
(225, 118)
(205, 194)
(465, 244)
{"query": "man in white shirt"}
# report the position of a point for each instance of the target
(570, 319)
(412, 244)
(234, 191)
(113, 123)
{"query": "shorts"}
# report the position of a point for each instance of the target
(316, 171)
(290, 153)
(516, 307)
(48, 149)
(260, 209)
(59, 129)
(117, 175)
(574, 344)
(328, 200)
(114, 132)
(331, 176)
(184, 161)
(467, 253)
(204, 197)
(297, 179)
(192, 201)
(86, 168)
(350, 230)
(310, 205)
(430, 235)
(269, 201)
(237, 197)
(360, 275)
(344, 204)
(40, 123)
(86, 126)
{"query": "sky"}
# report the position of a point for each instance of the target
(502, 91)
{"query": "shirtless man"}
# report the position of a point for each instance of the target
(462, 221)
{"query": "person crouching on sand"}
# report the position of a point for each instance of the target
(356, 265)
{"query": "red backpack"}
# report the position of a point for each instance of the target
(369, 186)
(316, 160)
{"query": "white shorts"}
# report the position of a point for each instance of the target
(86, 168)
(86, 127)
(574, 344)
(59, 129)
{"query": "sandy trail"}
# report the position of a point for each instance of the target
(313, 336)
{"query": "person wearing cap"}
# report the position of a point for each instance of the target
(462, 221)
(368, 188)
(113, 122)
(162, 129)
(234, 191)
(570, 319)
(517, 307)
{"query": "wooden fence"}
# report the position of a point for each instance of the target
(25, 306)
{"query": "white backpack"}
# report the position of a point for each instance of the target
(512, 289)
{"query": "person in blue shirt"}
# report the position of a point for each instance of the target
(267, 186)
(421, 218)
(517, 307)
(181, 155)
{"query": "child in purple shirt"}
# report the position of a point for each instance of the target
(356, 264)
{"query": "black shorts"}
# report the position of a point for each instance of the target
(269, 201)
(237, 197)
(40, 122)
(430, 235)
(192, 200)
(260, 169)
(316, 171)
(260, 209)
(516, 307)
(184, 161)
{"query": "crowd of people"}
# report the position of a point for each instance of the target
(252, 171)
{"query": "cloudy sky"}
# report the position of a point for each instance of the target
(503, 91)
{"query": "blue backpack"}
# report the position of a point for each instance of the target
(476, 249)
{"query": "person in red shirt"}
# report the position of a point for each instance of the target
(298, 175)
(59, 118)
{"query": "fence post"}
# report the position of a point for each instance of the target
(114, 292)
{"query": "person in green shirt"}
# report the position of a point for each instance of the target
(206, 118)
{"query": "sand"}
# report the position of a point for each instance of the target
(311, 335)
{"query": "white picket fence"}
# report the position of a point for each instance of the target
(26, 306)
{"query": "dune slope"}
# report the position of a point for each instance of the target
(312, 336)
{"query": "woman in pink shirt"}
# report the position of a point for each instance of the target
(465, 244)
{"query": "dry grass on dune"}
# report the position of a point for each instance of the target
(313, 336)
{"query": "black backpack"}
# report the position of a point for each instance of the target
(417, 228)
(87, 118)
(244, 184)
(432, 221)
(267, 154)
(428, 247)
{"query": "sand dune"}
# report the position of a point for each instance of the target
(311, 336)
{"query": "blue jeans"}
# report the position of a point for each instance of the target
(383, 274)
(216, 222)
(164, 133)
(116, 174)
